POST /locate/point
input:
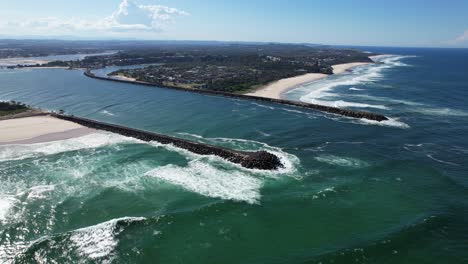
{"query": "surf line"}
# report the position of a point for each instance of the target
(261, 160)
(322, 108)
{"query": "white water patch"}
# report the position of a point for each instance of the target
(440, 111)
(95, 140)
(289, 161)
(360, 75)
(323, 193)
(387, 100)
(341, 161)
(105, 112)
(355, 89)
(99, 241)
(207, 180)
(344, 104)
(391, 122)
(40, 191)
(417, 107)
(6, 203)
(216, 177)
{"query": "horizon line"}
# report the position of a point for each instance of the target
(74, 38)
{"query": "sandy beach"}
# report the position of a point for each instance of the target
(277, 88)
(122, 77)
(37, 129)
(23, 61)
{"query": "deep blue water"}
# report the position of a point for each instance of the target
(352, 191)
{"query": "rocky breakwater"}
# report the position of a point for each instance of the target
(261, 160)
(322, 108)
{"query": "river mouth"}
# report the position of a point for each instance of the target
(348, 190)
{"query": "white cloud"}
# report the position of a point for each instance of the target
(460, 41)
(463, 37)
(130, 17)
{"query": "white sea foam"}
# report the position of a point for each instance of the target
(440, 111)
(105, 112)
(264, 106)
(387, 100)
(418, 107)
(391, 122)
(355, 89)
(323, 193)
(207, 180)
(361, 75)
(95, 140)
(99, 241)
(341, 161)
(344, 104)
(213, 176)
(289, 161)
(40, 191)
(6, 203)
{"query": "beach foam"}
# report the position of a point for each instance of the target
(95, 140)
(360, 75)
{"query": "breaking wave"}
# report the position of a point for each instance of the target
(208, 180)
(391, 122)
(215, 177)
(95, 140)
(360, 75)
(95, 243)
(99, 241)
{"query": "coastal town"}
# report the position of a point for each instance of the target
(226, 67)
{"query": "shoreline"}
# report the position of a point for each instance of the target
(39, 129)
(316, 107)
(276, 89)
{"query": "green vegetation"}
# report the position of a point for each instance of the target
(232, 68)
(219, 66)
(13, 107)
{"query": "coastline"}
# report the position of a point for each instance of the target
(317, 107)
(277, 88)
(39, 129)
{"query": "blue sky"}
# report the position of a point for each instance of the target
(420, 23)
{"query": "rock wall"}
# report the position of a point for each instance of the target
(322, 108)
(262, 160)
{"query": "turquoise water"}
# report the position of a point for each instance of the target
(351, 191)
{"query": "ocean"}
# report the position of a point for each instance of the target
(352, 191)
